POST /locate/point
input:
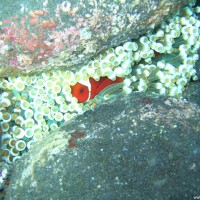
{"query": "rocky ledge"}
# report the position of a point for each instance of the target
(133, 146)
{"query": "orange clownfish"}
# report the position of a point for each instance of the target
(86, 90)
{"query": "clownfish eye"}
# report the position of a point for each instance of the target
(81, 90)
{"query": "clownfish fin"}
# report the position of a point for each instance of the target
(107, 82)
(94, 86)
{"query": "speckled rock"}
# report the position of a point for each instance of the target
(41, 35)
(132, 147)
(192, 93)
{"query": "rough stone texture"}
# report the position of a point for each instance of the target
(41, 35)
(192, 92)
(133, 147)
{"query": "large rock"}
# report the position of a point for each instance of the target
(132, 147)
(50, 34)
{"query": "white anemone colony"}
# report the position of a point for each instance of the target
(162, 61)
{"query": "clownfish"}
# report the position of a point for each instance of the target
(86, 90)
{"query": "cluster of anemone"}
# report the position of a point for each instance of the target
(162, 61)
(31, 106)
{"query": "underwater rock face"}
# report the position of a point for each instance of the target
(134, 146)
(65, 35)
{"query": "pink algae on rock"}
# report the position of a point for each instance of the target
(26, 40)
(75, 135)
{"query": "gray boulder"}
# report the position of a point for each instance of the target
(132, 147)
(37, 37)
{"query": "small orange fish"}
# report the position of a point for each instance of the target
(89, 89)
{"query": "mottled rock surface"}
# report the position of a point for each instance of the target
(132, 147)
(35, 37)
